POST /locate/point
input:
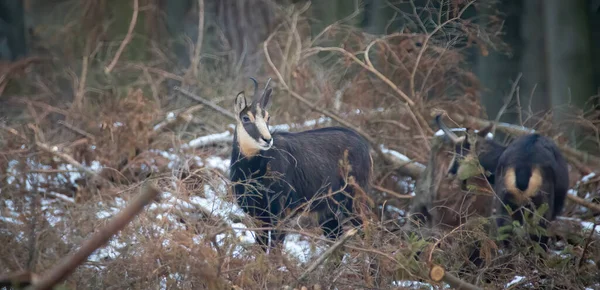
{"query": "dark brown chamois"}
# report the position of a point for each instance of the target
(530, 172)
(274, 173)
(486, 150)
(453, 201)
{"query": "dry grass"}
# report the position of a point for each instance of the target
(196, 238)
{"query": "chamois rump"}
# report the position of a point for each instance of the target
(531, 171)
(275, 173)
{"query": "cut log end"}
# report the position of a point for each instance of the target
(436, 273)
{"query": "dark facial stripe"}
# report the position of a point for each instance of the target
(252, 131)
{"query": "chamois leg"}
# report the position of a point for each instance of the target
(502, 219)
(542, 239)
(474, 257)
(332, 229)
(262, 236)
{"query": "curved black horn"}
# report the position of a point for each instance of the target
(256, 95)
(453, 138)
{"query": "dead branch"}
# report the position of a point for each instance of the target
(391, 192)
(580, 201)
(81, 87)
(110, 67)
(569, 152)
(587, 244)
(457, 283)
(185, 116)
(68, 264)
(77, 130)
(328, 253)
(68, 159)
(507, 100)
(214, 106)
(426, 42)
(198, 48)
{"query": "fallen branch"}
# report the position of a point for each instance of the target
(68, 159)
(110, 67)
(185, 116)
(569, 152)
(77, 130)
(214, 106)
(457, 283)
(68, 264)
(392, 193)
(580, 201)
(328, 253)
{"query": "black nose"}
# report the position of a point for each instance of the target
(266, 140)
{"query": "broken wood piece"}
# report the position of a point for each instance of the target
(436, 273)
(328, 253)
(68, 264)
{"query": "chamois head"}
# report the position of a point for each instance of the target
(252, 130)
(472, 143)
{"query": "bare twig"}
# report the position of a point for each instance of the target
(426, 42)
(391, 192)
(328, 253)
(214, 106)
(507, 100)
(68, 264)
(587, 244)
(68, 159)
(315, 107)
(110, 67)
(81, 88)
(185, 116)
(77, 130)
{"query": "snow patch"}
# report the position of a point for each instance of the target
(515, 280)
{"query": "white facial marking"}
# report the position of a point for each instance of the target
(263, 129)
(248, 145)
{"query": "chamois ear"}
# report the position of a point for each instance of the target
(265, 103)
(240, 102)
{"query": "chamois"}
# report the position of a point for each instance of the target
(275, 173)
(486, 150)
(531, 168)
(531, 171)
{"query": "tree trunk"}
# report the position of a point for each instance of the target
(568, 58)
(533, 84)
(13, 43)
(498, 71)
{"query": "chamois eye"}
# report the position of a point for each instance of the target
(245, 119)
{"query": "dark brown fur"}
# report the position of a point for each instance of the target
(532, 171)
